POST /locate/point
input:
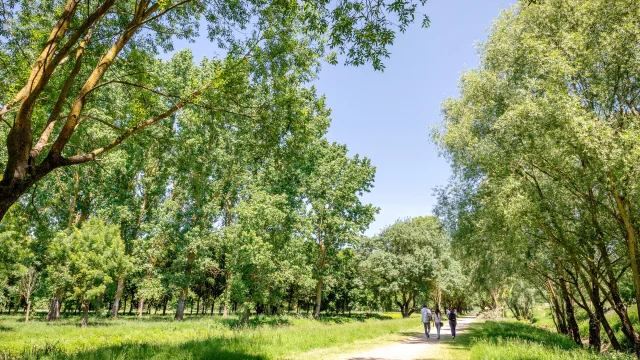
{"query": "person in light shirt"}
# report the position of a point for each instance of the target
(437, 320)
(426, 319)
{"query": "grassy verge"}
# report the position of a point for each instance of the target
(195, 338)
(542, 318)
(512, 340)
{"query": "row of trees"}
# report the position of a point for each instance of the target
(248, 266)
(131, 178)
(244, 207)
(543, 141)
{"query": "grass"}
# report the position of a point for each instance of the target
(542, 318)
(195, 338)
(512, 340)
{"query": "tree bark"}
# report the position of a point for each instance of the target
(26, 317)
(164, 307)
(181, 303)
(140, 307)
(559, 315)
(54, 308)
(85, 314)
(116, 301)
(572, 324)
(616, 300)
(316, 313)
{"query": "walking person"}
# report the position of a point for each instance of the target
(453, 319)
(437, 320)
(426, 319)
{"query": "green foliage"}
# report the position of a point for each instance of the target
(541, 141)
(85, 260)
(411, 258)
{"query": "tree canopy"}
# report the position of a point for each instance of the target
(542, 144)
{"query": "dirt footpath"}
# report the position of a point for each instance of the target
(415, 346)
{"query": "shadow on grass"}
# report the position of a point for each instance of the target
(342, 319)
(73, 320)
(216, 348)
(496, 331)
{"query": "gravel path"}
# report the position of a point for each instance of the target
(414, 346)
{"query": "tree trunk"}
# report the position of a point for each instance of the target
(140, 307)
(26, 317)
(124, 306)
(496, 304)
(633, 249)
(11, 193)
(572, 324)
(316, 313)
(557, 309)
(85, 314)
(598, 309)
(116, 302)
(594, 333)
(180, 310)
(164, 307)
(226, 296)
(54, 308)
(616, 301)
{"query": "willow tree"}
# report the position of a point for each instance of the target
(544, 133)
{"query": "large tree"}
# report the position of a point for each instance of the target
(543, 145)
(406, 256)
(63, 59)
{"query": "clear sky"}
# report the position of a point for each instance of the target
(387, 116)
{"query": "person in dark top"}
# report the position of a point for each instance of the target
(453, 319)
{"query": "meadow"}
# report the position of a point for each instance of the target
(508, 339)
(202, 337)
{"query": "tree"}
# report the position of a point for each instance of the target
(86, 259)
(90, 51)
(540, 145)
(405, 257)
(337, 215)
(28, 284)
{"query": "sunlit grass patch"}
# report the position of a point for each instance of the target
(195, 338)
(513, 340)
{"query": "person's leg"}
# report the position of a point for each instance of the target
(438, 328)
(426, 332)
(428, 328)
(453, 329)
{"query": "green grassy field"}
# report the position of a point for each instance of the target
(513, 340)
(195, 338)
(542, 318)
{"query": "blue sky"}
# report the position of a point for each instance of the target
(387, 116)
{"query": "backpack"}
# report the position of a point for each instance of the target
(452, 316)
(429, 316)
